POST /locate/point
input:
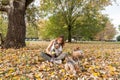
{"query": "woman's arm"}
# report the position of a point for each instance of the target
(49, 47)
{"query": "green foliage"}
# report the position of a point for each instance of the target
(119, 27)
(118, 38)
(33, 16)
(4, 2)
(84, 27)
(32, 31)
(53, 28)
(3, 25)
(71, 10)
(87, 26)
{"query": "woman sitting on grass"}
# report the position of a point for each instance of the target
(54, 51)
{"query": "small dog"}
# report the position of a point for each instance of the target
(77, 53)
(72, 61)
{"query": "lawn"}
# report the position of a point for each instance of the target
(101, 62)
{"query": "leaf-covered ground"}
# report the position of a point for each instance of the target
(101, 62)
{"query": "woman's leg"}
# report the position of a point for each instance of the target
(61, 56)
(45, 56)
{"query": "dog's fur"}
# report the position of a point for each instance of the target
(71, 66)
(72, 61)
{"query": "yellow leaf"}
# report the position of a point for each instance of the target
(16, 78)
(52, 73)
(47, 69)
(62, 70)
(37, 75)
(96, 74)
(111, 68)
(39, 79)
(1, 79)
(104, 76)
(11, 70)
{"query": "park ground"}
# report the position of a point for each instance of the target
(101, 62)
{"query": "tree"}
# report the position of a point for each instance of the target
(118, 38)
(88, 25)
(15, 10)
(72, 9)
(107, 33)
(119, 27)
(85, 27)
(53, 27)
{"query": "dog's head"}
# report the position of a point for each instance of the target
(76, 48)
(77, 54)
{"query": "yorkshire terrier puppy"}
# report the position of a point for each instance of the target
(72, 61)
(77, 53)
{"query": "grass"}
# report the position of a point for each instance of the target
(101, 62)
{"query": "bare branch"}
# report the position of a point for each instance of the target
(63, 12)
(11, 3)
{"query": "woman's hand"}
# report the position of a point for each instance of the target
(49, 47)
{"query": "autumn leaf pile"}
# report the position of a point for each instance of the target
(100, 62)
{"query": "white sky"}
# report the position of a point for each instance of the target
(113, 12)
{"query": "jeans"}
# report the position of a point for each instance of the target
(49, 57)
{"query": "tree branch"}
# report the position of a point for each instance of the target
(4, 8)
(63, 12)
(28, 2)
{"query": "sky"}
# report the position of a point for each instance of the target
(113, 12)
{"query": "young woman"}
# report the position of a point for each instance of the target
(54, 50)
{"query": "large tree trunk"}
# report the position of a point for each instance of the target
(16, 27)
(69, 33)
